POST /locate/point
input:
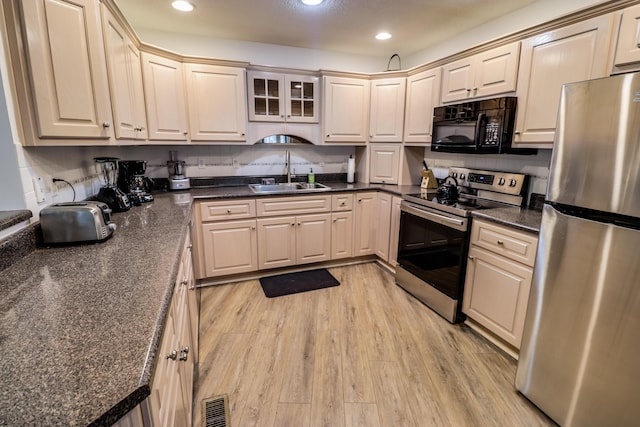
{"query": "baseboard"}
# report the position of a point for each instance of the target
(492, 338)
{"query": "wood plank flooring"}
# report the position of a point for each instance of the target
(364, 353)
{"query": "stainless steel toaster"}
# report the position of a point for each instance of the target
(76, 222)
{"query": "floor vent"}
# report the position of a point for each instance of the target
(215, 412)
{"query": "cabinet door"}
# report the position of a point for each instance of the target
(423, 94)
(384, 164)
(496, 293)
(383, 225)
(125, 80)
(628, 48)
(68, 72)
(574, 53)
(165, 98)
(216, 102)
(266, 96)
(230, 247)
(365, 233)
(395, 230)
(387, 110)
(276, 242)
(496, 70)
(346, 109)
(457, 80)
(301, 99)
(341, 235)
(313, 238)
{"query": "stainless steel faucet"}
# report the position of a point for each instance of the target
(287, 167)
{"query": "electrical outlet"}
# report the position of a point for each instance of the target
(236, 163)
(201, 163)
(38, 187)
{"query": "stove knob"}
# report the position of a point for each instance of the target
(512, 183)
(461, 177)
(454, 174)
(501, 181)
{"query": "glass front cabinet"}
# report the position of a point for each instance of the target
(275, 97)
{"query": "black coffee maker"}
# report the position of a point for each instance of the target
(133, 183)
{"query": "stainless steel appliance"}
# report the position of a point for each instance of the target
(76, 222)
(133, 182)
(109, 193)
(177, 173)
(434, 235)
(481, 127)
(580, 350)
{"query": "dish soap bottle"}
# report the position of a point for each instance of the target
(311, 178)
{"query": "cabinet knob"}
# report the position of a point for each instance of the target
(471, 257)
(184, 282)
(228, 211)
(173, 355)
(185, 132)
(185, 349)
(106, 124)
(516, 132)
(328, 135)
(500, 242)
(342, 204)
(253, 227)
(298, 224)
(335, 220)
(183, 357)
(293, 224)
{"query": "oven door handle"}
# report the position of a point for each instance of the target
(440, 219)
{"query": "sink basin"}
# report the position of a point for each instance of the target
(283, 187)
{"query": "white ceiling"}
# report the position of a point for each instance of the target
(347, 26)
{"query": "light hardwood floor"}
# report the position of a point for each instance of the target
(364, 353)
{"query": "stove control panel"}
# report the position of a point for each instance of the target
(501, 182)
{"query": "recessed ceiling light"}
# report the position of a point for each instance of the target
(311, 2)
(383, 36)
(182, 5)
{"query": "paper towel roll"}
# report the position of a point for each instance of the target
(351, 169)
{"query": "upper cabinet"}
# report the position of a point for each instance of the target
(165, 98)
(549, 60)
(423, 94)
(487, 73)
(216, 102)
(346, 109)
(386, 118)
(125, 80)
(628, 49)
(275, 97)
(67, 73)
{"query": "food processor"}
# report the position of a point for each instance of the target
(177, 175)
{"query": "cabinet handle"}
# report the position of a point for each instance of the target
(500, 242)
(173, 355)
(106, 124)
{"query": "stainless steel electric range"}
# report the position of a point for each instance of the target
(434, 235)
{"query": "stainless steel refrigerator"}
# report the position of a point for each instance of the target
(580, 355)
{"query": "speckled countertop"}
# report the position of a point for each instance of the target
(522, 219)
(80, 325)
(10, 218)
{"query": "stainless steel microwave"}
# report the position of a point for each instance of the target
(480, 127)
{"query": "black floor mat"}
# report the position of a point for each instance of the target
(292, 283)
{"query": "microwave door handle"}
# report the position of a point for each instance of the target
(479, 127)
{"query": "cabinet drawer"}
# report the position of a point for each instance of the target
(293, 205)
(516, 245)
(342, 202)
(227, 209)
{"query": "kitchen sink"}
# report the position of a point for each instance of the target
(284, 187)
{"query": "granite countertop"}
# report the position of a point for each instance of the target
(80, 325)
(523, 219)
(11, 218)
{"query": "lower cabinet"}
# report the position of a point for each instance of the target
(341, 235)
(395, 230)
(383, 221)
(498, 280)
(230, 247)
(365, 223)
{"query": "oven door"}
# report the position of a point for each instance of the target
(433, 247)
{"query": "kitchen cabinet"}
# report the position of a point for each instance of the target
(627, 56)
(302, 236)
(227, 237)
(386, 119)
(275, 97)
(125, 80)
(342, 226)
(498, 280)
(164, 98)
(171, 399)
(423, 95)
(395, 230)
(67, 74)
(216, 102)
(488, 73)
(345, 109)
(384, 163)
(365, 226)
(549, 60)
(383, 225)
